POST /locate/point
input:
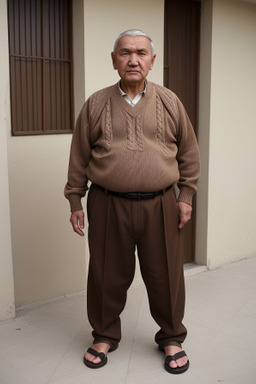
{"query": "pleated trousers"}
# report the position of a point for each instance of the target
(116, 227)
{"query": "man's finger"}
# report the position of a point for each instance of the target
(77, 221)
(185, 211)
(81, 221)
(78, 230)
(183, 221)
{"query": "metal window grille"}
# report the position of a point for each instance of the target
(40, 36)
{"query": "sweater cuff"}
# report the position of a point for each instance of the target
(186, 195)
(75, 203)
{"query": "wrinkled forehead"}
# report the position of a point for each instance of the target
(134, 43)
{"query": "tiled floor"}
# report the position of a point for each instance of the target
(45, 344)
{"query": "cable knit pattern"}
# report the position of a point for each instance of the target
(108, 126)
(139, 133)
(131, 141)
(93, 102)
(96, 104)
(159, 122)
(134, 133)
(133, 149)
(169, 100)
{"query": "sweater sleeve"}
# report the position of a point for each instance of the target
(80, 154)
(187, 156)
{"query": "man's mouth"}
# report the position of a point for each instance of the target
(133, 71)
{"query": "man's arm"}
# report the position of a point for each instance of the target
(188, 158)
(189, 166)
(80, 154)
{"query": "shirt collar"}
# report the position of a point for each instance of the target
(124, 94)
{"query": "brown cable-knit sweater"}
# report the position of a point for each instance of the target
(133, 149)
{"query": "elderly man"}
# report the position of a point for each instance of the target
(133, 141)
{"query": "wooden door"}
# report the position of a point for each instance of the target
(181, 69)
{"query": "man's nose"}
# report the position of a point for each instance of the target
(133, 59)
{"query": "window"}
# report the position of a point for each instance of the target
(40, 36)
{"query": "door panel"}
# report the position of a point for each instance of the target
(181, 69)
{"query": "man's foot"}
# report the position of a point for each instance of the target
(96, 355)
(171, 350)
(176, 359)
(100, 348)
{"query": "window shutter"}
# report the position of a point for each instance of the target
(40, 36)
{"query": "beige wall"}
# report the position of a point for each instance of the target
(227, 139)
(7, 309)
(48, 258)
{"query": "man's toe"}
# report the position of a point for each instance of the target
(178, 363)
(173, 364)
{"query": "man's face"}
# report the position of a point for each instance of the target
(133, 59)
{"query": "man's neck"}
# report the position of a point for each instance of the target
(132, 89)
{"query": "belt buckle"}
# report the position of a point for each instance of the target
(134, 195)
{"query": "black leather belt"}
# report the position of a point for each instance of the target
(134, 195)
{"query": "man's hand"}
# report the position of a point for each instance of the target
(185, 211)
(77, 221)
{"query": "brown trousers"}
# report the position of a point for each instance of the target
(116, 226)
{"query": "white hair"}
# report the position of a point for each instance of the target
(134, 32)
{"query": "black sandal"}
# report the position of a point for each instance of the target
(175, 357)
(101, 355)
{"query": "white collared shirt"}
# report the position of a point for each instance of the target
(129, 100)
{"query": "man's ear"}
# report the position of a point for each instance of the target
(113, 60)
(152, 61)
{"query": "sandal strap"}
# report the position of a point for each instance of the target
(175, 357)
(92, 351)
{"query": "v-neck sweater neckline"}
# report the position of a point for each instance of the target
(133, 110)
